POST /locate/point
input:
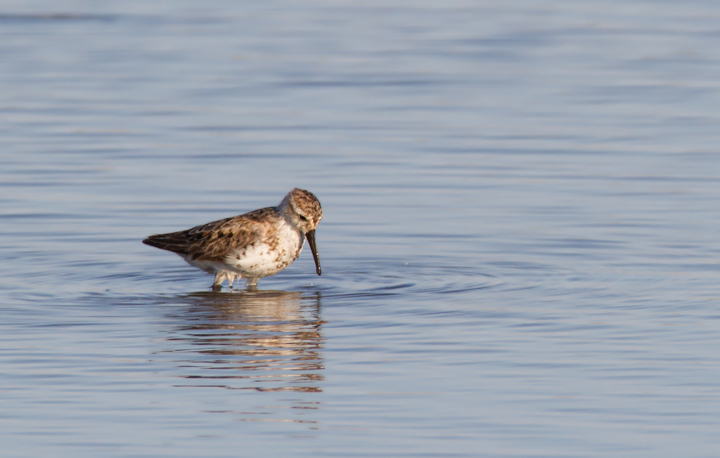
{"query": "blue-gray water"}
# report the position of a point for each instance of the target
(520, 244)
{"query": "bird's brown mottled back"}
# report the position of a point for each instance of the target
(214, 240)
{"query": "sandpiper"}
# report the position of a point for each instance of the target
(250, 246)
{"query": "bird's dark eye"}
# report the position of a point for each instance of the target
(303, 218)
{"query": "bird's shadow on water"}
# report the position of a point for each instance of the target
(248, 340)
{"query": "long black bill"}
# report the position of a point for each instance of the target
(311, 239)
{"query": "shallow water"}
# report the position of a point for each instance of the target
(519, 247)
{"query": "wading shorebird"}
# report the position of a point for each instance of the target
(250, 246)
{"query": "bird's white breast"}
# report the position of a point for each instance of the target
(269, 254)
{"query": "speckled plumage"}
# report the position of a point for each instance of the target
(250, 246)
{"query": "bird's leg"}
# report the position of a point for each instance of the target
(252, 284)
(219, 278)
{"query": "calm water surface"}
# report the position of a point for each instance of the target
(520, 247)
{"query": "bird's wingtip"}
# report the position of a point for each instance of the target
(150, 241)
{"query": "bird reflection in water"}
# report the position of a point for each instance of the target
(254, 340)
